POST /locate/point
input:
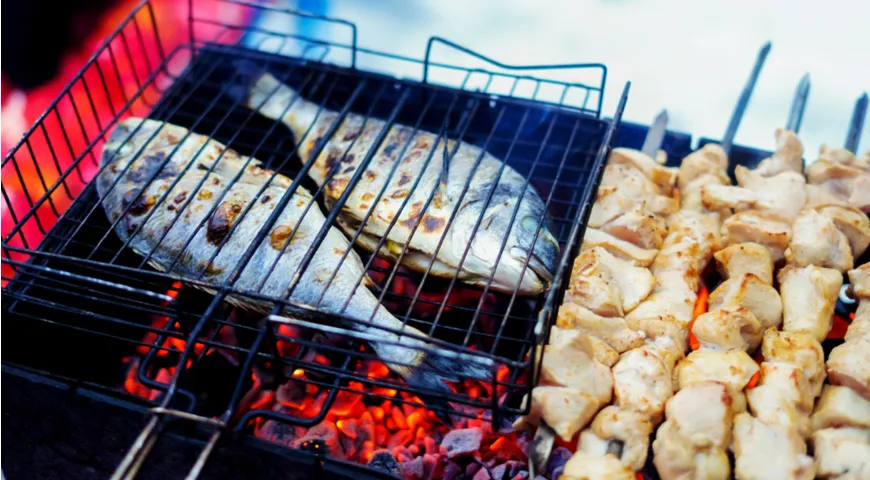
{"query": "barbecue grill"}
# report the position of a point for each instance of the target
(89, 313)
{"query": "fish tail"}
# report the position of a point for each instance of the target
(262, 92)
(430, 370)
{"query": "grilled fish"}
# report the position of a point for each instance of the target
(422, 188)
(202, 233)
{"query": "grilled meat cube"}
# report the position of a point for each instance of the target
(751, 293)
(849, 365)
(732, 368)
(632, 183)
(628, 283)
(565, 410)
(842, 453)
(615, 425)
(663, 177)
(790, 380)
(841, 407)
(816, 240)
(580, 340)
(788, 156)
(565, 365)
(728, 328)
(860, 326)
(693, 440)
(642, 381)
(842, 178)
(638, 227)
(771, 405)
(718, 197)
(671, 297)
(741, 258)
(809, 295)
(613, 330)
(765, 451)
(768, 229)
(860, 279)
(852, 222)
(783, 194)
(710, 159)
(582, 466)
(797, 348)
(619, 248)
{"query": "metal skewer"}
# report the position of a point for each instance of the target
(798, 105)
(743, 102)
(856, 124)
(655, 135)
(545, 437)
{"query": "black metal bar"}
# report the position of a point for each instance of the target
(743, 101)
(798, 105)
(856, 124)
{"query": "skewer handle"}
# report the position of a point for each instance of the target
(743, 102)
(798, 105)
(853, 137)
(656, 134)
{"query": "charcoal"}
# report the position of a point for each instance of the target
(413, 469)
(452, 471)
(323, 432)
(472, 469)
(462, 441)
(290, 392)
(521, 475)
(556, 463)
(402, 454)
(430, 464)
(279, 432)
(384, 461)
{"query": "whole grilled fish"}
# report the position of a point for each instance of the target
(418, 225)
(161, 219)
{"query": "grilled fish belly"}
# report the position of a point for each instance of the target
(150, 185)
(411, 194)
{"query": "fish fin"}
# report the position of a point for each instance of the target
(434, 370)
(259, 90)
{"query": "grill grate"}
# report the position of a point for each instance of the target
(72, 284)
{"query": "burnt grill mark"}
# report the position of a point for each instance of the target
(350, 135)
(414, 215)
(338, 251)
(265, 198)
(331, 161)
(212, 270)
(349, 169)
(391, 148)
(367, 196)
(200, 166)
(370, 175)
(172, 139)
(364, 206)
(404, 179)
(400, 193)
(171, 207)
(337, 185)
(222, 221)
(180, 197)
(278, 237)
(142, 204)
(412, 157)
(349, 158)
(432, 224)
(204, 195)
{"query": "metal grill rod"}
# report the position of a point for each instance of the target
(856, 124)
(743, 101)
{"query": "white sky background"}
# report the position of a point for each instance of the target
(691, 57)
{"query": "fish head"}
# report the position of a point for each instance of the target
(516, 223)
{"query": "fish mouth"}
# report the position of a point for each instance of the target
(541, 269)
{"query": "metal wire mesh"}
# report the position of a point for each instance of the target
(68, 276)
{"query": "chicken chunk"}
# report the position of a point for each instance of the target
(663, 177)
(710, 159)
(728, 328)
(783, 194)
(733, 368)
(632, 184)
(701, 227)
(612, 330)
(642, 382)
(582, 466)
(800, 349)
(631, 284)
(816, 240)
(638, 227)
(768, 229)
(717, 197)
(593, 286)
(774, 407)
(662, 328)
(790, 380)
(809, 295)
(860, 326)
(696, 434)
(623, 426)
(742, 258)
(860, 280)
(582, 341)
(671, 296)
(842, 453)
(852, 222)
(841, 407)
(563, 365)
(849, 365)
(751, 293)
(610, 203)
(620, 248)
(565, 410)
(765, 451)
(842, 180)
(788, 156)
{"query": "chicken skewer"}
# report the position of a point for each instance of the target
(693, 441)
(643, 375)
(609, 279)
(841, 420)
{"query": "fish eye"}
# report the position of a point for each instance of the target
(529, 224)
